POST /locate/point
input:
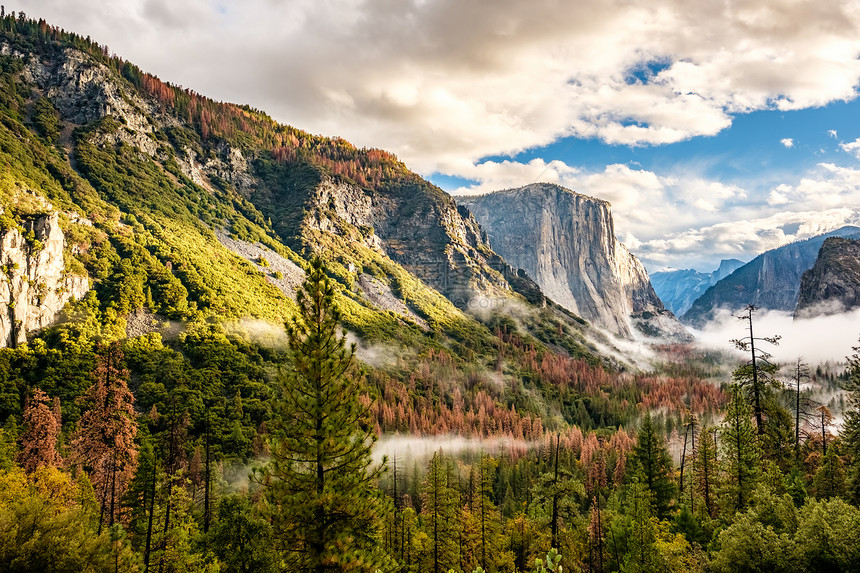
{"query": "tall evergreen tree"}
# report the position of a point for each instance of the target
(829, 480)
(104, 442)
(851, 426)
(757, 375)
(439, 510)
(705, 475)
(741, 452)
(652, 464)
(320, 482)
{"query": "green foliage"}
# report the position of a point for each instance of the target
(742, 456)
(552, 563)
(749, 546)
(43, 529)
(652, 465)
(320, 480)
(46, 119)
(829, 480)
(851, 427)
(242, 539)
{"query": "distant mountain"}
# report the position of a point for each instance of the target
(679, 289)
(770, 281)
(566, 242)
(832, 285)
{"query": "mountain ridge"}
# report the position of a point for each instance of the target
(678, 289)
(770, 281)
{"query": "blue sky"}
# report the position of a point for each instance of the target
(750, 152)
(676, 112)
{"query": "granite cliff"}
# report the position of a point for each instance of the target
(832, 285)
(566, 242)
(770, 281)
(34, 285)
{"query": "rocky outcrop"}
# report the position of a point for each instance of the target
(678, 289)
(770, 281)
(34, 285)
(832, 285)
(566, 242)
(414, 223)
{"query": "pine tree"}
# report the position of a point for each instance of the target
(320, 482)
(652, 463)
(851, 427)
(42, 428)
(104, 441)
(829, 480)
(741, 452)
(241, 538)
(706, 471)
(642, 555)
(438, 508)
(757, 375)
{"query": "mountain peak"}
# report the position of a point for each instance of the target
(566, 242)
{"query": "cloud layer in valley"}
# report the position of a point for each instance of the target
(816, 340)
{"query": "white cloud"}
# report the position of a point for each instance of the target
(787, 142)
(852, 147)
(442, 83)
(832, 133)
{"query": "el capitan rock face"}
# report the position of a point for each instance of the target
(832, 285)
(566, 242)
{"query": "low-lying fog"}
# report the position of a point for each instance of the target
(817, 340)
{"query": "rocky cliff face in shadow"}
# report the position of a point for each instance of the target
(832, 285)
(770, 281)
(34, 285)
(566, 242)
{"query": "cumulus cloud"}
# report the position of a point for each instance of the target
(787, 142)
(852, 147)
(443, 84)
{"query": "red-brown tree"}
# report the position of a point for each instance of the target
(42, 423)
(104, 442)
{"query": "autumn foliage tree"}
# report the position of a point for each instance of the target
(42, 423)
(104, 442)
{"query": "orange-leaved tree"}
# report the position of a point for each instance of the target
(104, 442)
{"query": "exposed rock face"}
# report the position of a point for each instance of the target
(770, 281)
(84, 91)
(832, 285)
(415, 224)
(34, 286)
(679, 289)
(566, 242)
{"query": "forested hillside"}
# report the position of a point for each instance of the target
(168, 420)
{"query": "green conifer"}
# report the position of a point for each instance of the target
(320, 481)
(741, 452)
(652, 463)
